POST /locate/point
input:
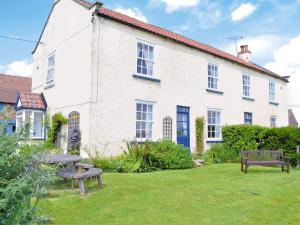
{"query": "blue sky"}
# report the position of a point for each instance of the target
(270, 27)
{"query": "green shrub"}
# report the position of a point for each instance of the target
(169, 155)
(242, 137)
(23, 179)
(107, 164)
(284, 138)
(247, 137)
(199, 135)
(146, 157)
(218, 153)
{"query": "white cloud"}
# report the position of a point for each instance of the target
(133, 12)
(174, 5)
(208, 17)
(262, 47)
(243, 11)
(287, 63)
(20, 68)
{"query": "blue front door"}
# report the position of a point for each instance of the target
(183, 126)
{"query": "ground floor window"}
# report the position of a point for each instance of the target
(35, 119)
(273, 121)
(248, 118)
(213, 124)
(144, 116)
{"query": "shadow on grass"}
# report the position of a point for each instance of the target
(263, 170)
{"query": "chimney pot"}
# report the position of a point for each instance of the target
(245, 54)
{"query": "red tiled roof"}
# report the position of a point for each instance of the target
(32, 101)
(10, 86)
(104, 12)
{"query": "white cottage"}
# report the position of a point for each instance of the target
(122, 77)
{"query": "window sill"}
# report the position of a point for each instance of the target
(37, 138)
(214, 91)
(146, 78)
(248, 99)
(49, 85)
(274, 103)
(214, 141)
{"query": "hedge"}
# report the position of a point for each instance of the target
(247, 137)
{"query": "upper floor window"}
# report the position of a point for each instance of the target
(214, 124)
(212, 76)
(144, 114)
(248, 118)
(273, 121)
(271, 91)
(246, 85)
(51, 68)
(145, 59)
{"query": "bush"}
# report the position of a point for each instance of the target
(247, 137)
(169, 155)
(22, 179)
(199, 135)
(218, 153)
(242, 137)
(146, 157)
(107, 164)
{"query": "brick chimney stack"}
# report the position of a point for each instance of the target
(245, 54)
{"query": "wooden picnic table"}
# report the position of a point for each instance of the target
(61, 159)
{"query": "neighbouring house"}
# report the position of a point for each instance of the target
(119, 79)
(10, 86)
(292, 119)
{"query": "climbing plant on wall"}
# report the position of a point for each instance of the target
(199, 135)
(54, 127)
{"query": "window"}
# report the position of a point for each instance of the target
(144, 112)
(248, 118)
(271, 91)
(214, 124)
(273, 121)
(51, 67)
(145, 59)
(246, 85)
(35, 119)
(212, 76)
(37, 125)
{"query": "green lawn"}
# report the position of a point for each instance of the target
(213, 194)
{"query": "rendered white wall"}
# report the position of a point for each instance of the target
(183, 74)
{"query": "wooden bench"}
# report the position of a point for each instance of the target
(264, 158)
(80, 176)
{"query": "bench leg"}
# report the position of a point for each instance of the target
(81, 187)
(282, 168)
(242, 167)
(99, 181)
(246, 168)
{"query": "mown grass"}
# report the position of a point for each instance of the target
(213, 194)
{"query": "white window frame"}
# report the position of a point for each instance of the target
(248, 113)
(22, 114)
(50, 68)
(144, 123)
(212, 76)
(272, 91)
(246, 85)
(216, 124)
(148, 59)
(273, 121)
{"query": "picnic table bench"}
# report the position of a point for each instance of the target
(73, 169)
(264, 158)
